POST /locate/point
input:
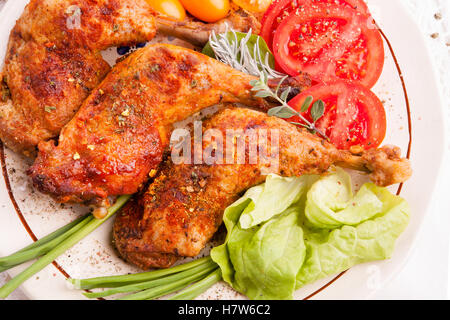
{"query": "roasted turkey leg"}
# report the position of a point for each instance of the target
(119, 134)
(183, 207)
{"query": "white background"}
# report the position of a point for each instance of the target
(426, 275)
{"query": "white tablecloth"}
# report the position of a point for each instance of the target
(426, 274)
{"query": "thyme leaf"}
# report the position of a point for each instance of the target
(317, 110)
(282, 112)
(285, 111)
(306, 104)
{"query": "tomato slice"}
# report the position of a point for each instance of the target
(280, 9)
(354, 116)
(330, 42)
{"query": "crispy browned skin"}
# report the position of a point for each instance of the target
(183, 207)
(122, 129)
(51, 64)
(198, 32)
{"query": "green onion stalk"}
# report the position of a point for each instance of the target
(191, 278)
(43, 245)
(52, 246)
(186, 280)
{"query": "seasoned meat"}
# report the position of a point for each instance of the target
(183, 207)
(53, 61)
(119, 134)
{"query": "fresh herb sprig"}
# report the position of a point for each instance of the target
(285, 111)
(248, 54)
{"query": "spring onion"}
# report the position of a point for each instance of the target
(200, 287)
(43, 245)
(169, 288)
(60, 248)
(191, 278)
(153, 283)
(117, 281)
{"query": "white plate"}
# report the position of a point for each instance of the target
(94, 256)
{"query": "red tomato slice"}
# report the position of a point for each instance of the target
(330, 42)
(354, 116)
(280, 9)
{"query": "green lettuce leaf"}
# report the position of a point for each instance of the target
(263, 259)
(220, 253)
(329, 253)
(331, 203)
(310, 228)
(277, 195)
(264, 271)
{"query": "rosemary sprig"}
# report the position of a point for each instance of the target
(285, 111)
(233, 49)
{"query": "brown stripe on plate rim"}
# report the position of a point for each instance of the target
(19, 211)
(17, 208)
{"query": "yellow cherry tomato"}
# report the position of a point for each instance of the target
(254, 5)
(170, 8)
(207, 10)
